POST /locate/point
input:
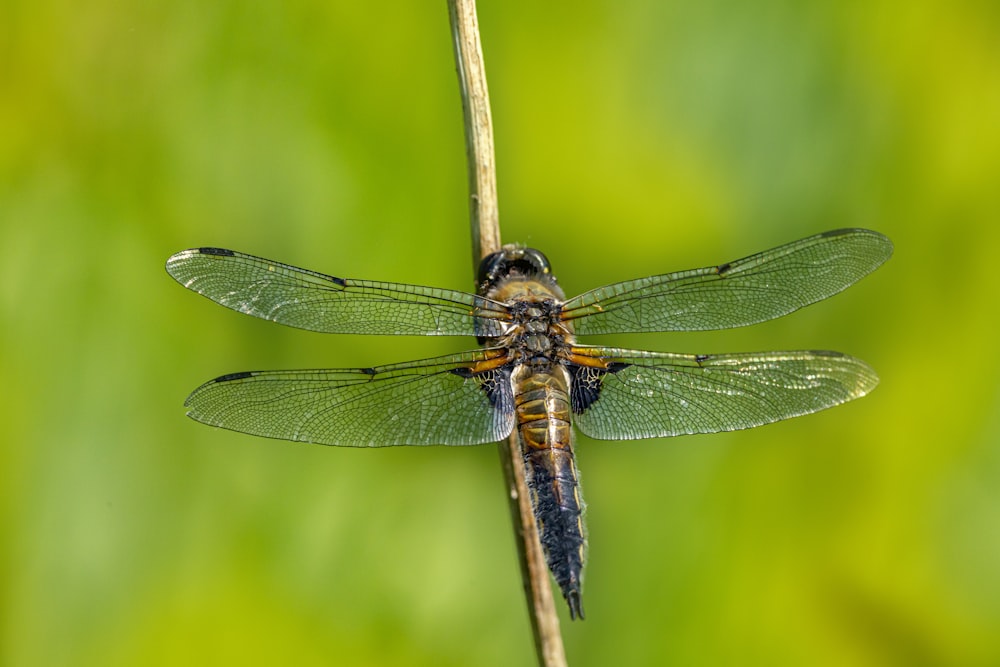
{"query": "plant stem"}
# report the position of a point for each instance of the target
(484, 218)
(483, 209)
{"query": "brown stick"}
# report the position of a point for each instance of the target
(484, 216)
(484, 213)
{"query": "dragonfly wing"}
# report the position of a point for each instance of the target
(440, 401)
(318, 302)
(750, 290)
(652, 394)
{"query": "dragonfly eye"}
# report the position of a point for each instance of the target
(512, 260)
(538, 261)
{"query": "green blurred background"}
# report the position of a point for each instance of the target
(632, 138)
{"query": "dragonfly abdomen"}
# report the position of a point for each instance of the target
(543, 413)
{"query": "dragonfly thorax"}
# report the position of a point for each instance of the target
(521, 279)
(537, 330)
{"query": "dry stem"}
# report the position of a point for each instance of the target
(485, 240)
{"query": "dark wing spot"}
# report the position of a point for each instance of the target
(337, 281)
(586, 383)
(700, 358)
(721, 269)
(367, 371)
(242, 375)
(496, 384)
(221, 252)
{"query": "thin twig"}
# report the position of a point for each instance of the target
(483, 210)
(485, 240)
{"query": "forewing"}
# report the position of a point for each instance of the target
(440, 401)
(653, 394)
(317, 302)
(750, 290)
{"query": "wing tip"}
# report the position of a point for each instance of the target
(177, 258)
(866, 379)
(192, 399)
(867, 382)
(873, 239)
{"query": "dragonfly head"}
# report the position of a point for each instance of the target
(513, 261)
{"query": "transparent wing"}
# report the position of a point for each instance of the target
(654, 394)
(440, 401)
(309, 300)
(750, 290)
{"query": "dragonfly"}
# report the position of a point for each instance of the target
(529, 376)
